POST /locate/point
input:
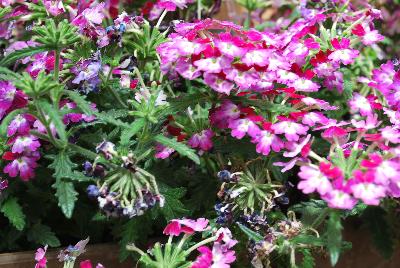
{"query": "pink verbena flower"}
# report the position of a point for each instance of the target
(265, 141)
(313, 180)
(202, 140)
(21, 124)
(188, 226)
(292, 130)
(340, 199)
(88, 264)
(243, 126)
(27, 143)
(368, 36)
(54, 7)
(22, 164)
(7, 95)
(343, 54)
(90, 16)
(224, 114)
(40, 257)
(163, 152)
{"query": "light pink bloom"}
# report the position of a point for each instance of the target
(265, 141)
(7, 94)
(313, 180)
(176, 227)
(212, 65)
(22, 164)
(163, 152)
(202, 140)
(219, 85)
(360, 104)
(340, 199)
(259, 57)
(40, 257)
(28, 143)
(369, 193)
(54, 7)
(343, 53)
(241, 127)
(292, 130)
(19, 124)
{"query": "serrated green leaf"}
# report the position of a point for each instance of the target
(334, 236)
(21, 53)
(13, 211)
(42, 235)
(382, 236)
(65, 191)
(80, 101)
(62, 165)
(129, 132)
(250, 233)
(173, 207)
(308, 259)
(181, 148)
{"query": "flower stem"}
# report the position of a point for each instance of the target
(202, 243)
(161, 18)
(57, 65)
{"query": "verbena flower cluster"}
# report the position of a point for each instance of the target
(135, 115)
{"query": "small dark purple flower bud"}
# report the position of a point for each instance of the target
(224, 176)
(283, 200)
(88, 168)
(93, 191)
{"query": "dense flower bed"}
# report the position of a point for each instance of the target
(250, 141)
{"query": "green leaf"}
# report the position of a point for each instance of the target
(13, 211)
(42, 235)
(382, 235)
(308, 259)
(80, 101)
(55, 118)
(133, 230)
(21, 53)
(66, 194)
(250, 233)
(173, 207)
(65, 190)
(129, 132)
(62, 165)
(181, 148)
(334, 236)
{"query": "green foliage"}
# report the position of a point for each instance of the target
(65, 190)
(13, 211)
(173, 207)
(4, 11)
(380, 231)
(21, 53)
(308, 260)
(41, 85)
(129, 132)
(334, 236)
(56, 37)
(42, 235)
(133, 230)
(143, 42)
(181, 148)
(256, 237)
